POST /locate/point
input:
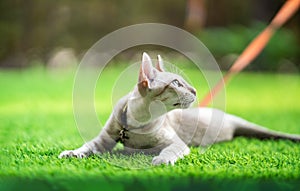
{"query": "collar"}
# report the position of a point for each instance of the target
(124, 117)
(124, 125)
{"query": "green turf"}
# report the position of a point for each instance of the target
(37, 123)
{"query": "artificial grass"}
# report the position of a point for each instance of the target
(37, 124)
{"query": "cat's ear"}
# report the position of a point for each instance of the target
(147, 73)
(160, 64)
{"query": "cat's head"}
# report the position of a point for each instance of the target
(156, 84)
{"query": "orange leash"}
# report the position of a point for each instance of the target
(255, 47)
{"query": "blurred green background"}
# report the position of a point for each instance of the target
(38, 32)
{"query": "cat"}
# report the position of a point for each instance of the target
(155, 118)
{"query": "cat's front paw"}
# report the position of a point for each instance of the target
(158, 160)
(72, 153)
(170, 158)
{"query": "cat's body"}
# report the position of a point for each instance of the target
(154, 118)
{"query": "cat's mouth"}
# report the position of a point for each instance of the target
(176, 104)
(181, 105)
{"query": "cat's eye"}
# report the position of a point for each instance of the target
(176, 83)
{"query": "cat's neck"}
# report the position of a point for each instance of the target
(142, 110)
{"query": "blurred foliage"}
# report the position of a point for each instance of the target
(282, 49)
(32, 31)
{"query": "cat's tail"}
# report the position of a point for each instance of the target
(248, 129)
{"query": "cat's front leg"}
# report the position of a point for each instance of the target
(104, 142)
(100, 144)
(169, 155)
(82, 152)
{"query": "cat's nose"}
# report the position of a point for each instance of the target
(193, 91)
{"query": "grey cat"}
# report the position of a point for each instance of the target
(155, 118)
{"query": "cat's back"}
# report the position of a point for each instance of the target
(192, 124)
(194, 116)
